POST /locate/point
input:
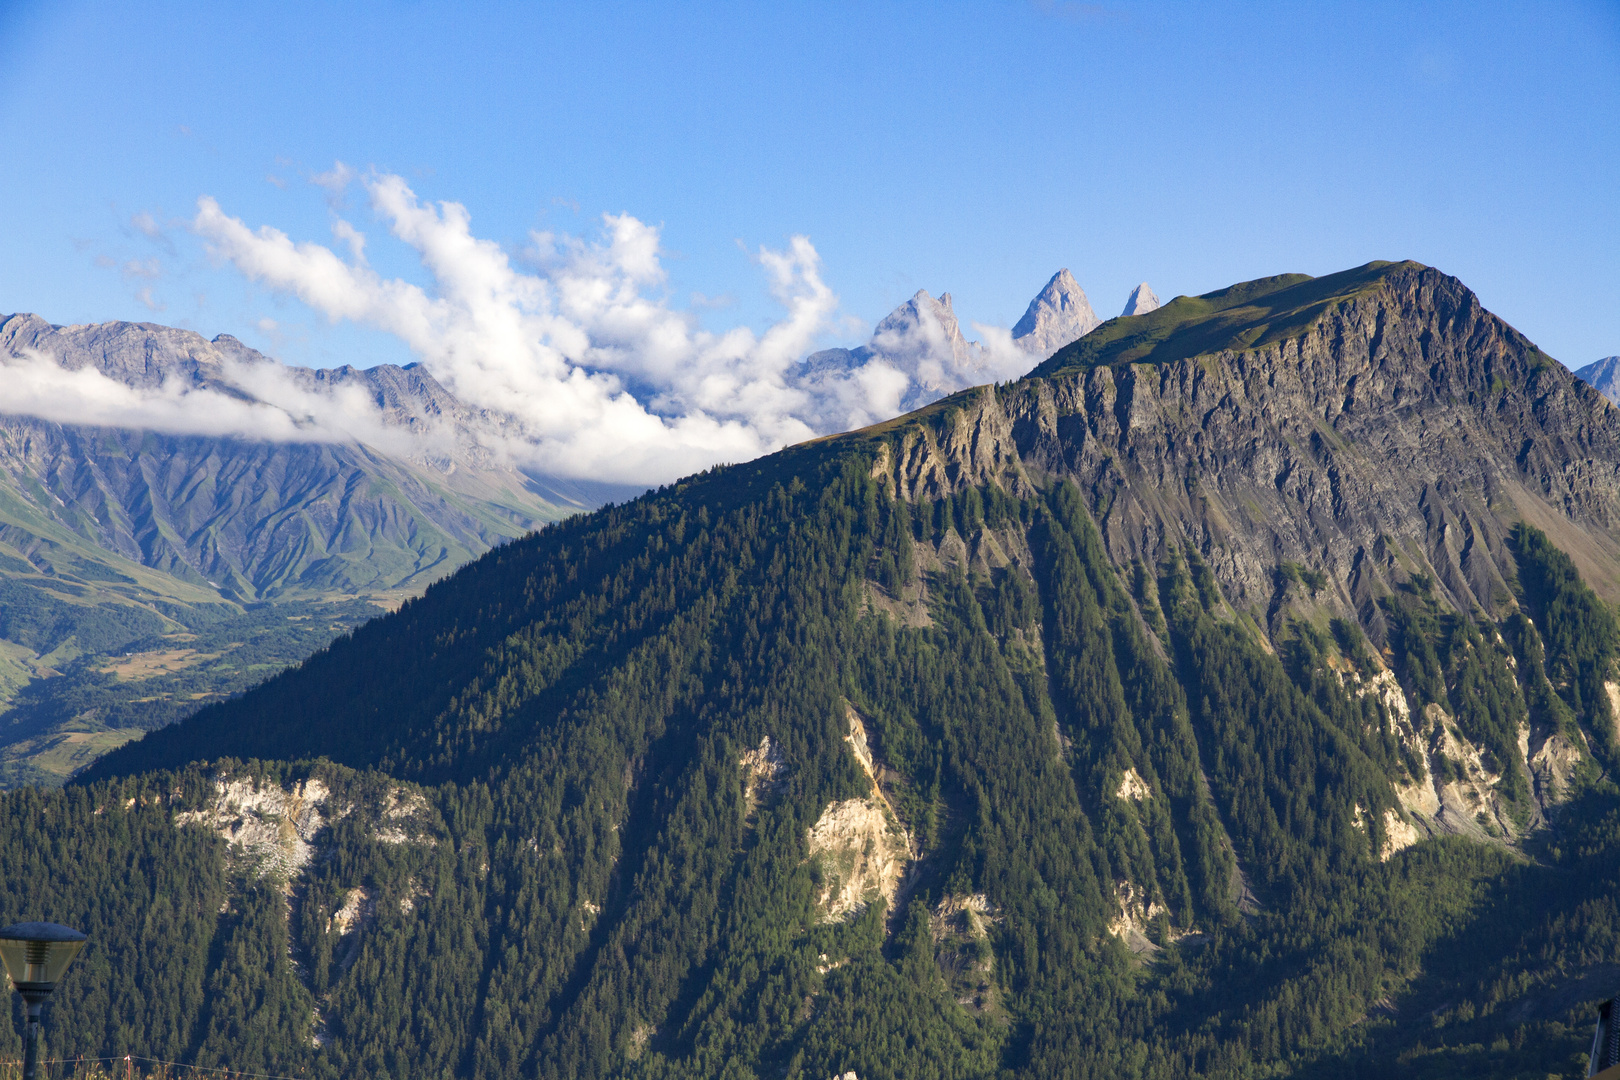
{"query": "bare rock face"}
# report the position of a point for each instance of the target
(142, 355)
(1372, 425)
(1376, 432)
(146, 356)
(917, 353)
(923, 338)
(1141, 301)
(1059, 314)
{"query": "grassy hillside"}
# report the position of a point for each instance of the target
(1250, 315)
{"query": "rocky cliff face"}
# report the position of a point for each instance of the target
(1386, 444)
(143, 355)
(1401, 432)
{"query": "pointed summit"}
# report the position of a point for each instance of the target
(1059, 315)
(1141, 302)
(921, 323)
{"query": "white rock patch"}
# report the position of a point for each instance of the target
(863, 853)
(1136, 915)
(1132, 788)
(762, 769)
(356, 911)
(270, 828)
(862, 847)
(1398, 834)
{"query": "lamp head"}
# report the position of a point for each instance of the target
(36, 954)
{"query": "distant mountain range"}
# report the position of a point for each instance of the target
(922, 340)
(259, 519)
(115, 539)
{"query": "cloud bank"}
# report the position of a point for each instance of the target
(256, 401)
(602, 381)
(568, 342)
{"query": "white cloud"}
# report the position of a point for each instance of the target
(588, 370)
(36, 385)
(603, 381)
(145, 224)
(143, 269)
(336, 182)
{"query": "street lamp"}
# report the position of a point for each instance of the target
(35, 955)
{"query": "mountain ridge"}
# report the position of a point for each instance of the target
(119, 538)
(1141, 301)
(1188, 707)
(922, 341)
(1059, 314)
(1116, 434)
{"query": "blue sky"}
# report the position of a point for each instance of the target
(973, 148)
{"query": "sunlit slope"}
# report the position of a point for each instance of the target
(1187, 715)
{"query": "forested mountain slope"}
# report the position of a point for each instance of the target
(1228, 698)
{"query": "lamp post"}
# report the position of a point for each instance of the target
(36, 954)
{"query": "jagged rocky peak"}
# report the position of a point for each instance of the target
(1603, 376)
(1059, 314)
(1141, 301)
(147, 355)
(919, 321)
(137, 354)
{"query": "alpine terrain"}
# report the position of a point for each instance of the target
(922, 340)
(143, 573)
(1234, 696)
